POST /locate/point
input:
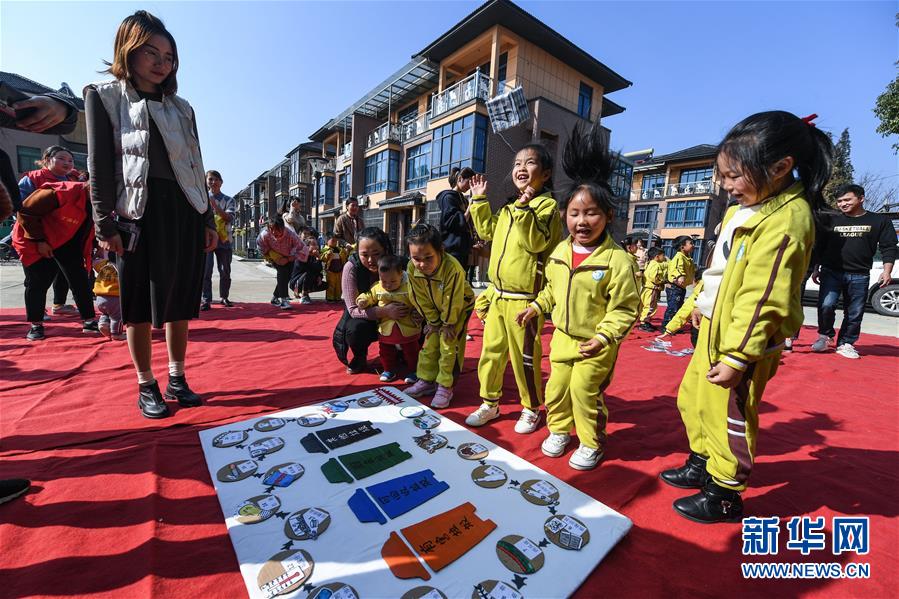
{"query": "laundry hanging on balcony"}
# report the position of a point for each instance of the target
(508, 109)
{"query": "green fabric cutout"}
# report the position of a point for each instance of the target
(335, 473)
(371, 461)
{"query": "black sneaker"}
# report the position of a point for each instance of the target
(205, 305)
(276, 301)
(179, 389)
(10, 488)
(90, 326)
(227, 303)
(692, 475)
(647, 327)
(36, 333)
(285, 304)
(150, 401)
(712, 504)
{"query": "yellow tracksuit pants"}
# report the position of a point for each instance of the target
(649, 299)
(334, 286)
(574, 392)
(505, 340)
(722, 424)
(441, 360)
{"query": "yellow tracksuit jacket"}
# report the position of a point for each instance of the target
(444, 298)
(681, 265)
(653, 282)
(755, 309)
(378, 296)
(333, 260)
(523, 237)
(598, 299)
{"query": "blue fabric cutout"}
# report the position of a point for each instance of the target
(404, 493)
(365, 509)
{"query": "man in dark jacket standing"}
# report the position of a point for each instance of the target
(455, 225)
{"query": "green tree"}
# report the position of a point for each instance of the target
(843, 172)
(886, 107)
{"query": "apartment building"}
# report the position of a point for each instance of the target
(397, 144)
(676, 194)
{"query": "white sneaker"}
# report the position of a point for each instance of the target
(585, 458)
(554, 445)
(822, 343)
(788, 344)
(482, 415)
(847, 350)
(527, 422)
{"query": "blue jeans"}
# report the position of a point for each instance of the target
(222, 255)
(854, 289)
(674, 298)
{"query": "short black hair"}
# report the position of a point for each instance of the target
(276, 221)
(390, 263)
(653, 252)
(681, 241)
(424, 234)
(628, 241)
(858, 190)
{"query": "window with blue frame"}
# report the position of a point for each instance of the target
(382, 172)
(694, 175)
(343, 183)
(325, 192)
(585, 101)
(686, 214)
(652, 186)
(418, 166)
(460, 143)
(643, 216)
(501, 72)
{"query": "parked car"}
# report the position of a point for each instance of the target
(882, 300)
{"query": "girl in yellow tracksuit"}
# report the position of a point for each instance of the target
(591, 288)
(524, 232)
(775, 165)
(442, 295)
(333, 257)
(654, 275)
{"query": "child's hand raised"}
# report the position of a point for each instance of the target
(478, 185)
(526, 196)
(590, 348)
(525, 316)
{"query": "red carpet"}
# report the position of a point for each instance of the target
(123, 506)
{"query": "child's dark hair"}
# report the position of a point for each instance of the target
(424, 234)
(628, 241)
(587, 163)
(681, 240)
(544, 157)
(652, 252)
(390, 263)
(842, 190)
(276, 221)
(759, 141)
(332, 235)
(456, 173)
(378, 236)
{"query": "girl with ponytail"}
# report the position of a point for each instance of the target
(591, 289)
(775, 165)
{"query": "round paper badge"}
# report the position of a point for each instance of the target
(566, 532)
(598, 275)
(412, 411)
(539, 492)
(235, 471)
(285, 572)
(334, 590)
(308, 523)
(336, 406)
(423, 592)
(519, 554)
(495, 588)
(430, 441)
(265, 446)
(229, 439)
(257, 509)
(269, 424)
(283, 475)
(427, 421)
(369, 401)
(472, 451)
(312, 419)
(489, 476)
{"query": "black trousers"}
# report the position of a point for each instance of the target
(283, 277)
(60, 290)
(306, 277)
(68, 263)
(354, 334)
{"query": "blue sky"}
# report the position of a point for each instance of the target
(262, 76)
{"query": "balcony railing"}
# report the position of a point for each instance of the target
(476, 86)
(386, 132)
(675, 190)
(414, 126)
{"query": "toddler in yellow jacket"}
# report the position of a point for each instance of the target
(106, 289)
(442, 295)
(591, 289)
(333, 257)
(654, 275)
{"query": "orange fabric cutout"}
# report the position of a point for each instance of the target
(400, 559)
(444, 538)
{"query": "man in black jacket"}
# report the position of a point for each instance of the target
(844, 255)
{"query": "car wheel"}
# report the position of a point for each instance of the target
(886, 300)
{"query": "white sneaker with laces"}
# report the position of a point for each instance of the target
(554, 445)
(482, 415)
(527, 422)
(822, 343)
(847, 350)
(585, 458)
